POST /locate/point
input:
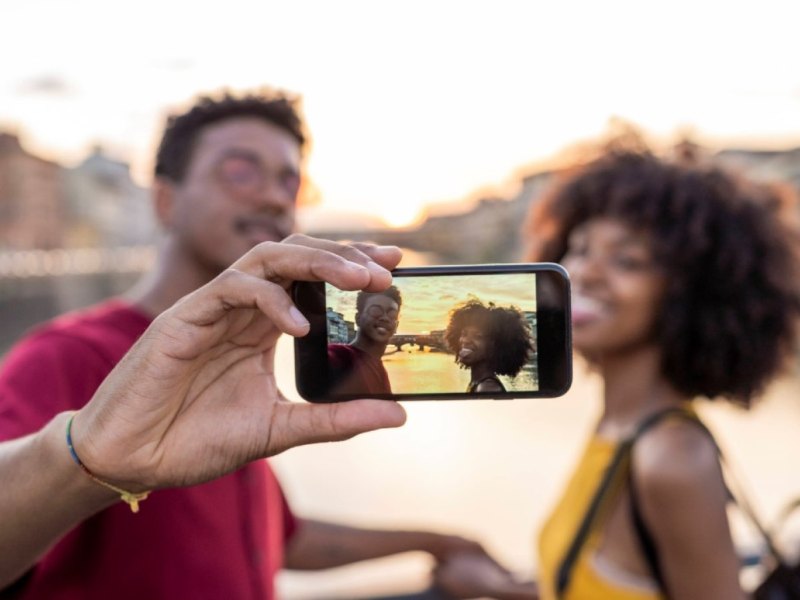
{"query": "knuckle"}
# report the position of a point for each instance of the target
(295, 238)
(229, 275)
(364, 246)
(271, 290)
(267, 247)
(319, 261)
(355, 254)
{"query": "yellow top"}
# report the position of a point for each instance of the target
(590, 579)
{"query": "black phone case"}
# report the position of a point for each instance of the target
(553, 335)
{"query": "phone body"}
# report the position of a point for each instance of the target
(454, 332)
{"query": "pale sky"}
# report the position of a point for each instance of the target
(412, 102)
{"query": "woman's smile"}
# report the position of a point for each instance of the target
(587, 310)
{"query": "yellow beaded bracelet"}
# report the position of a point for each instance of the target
(128, 498)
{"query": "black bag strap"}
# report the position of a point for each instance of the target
(646, 541)
(614, 470)
(738, 497)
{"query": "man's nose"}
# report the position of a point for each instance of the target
(274, 198)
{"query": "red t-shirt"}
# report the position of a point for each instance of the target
(357, 372)
(222, 539)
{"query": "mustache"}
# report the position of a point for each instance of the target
(277, 229)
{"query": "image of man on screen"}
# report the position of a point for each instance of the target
(356, 368)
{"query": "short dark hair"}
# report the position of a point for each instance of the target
(510, 340)
(182, 130)
(730, 260)
(390, 292)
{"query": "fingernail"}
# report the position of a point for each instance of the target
(298, 317)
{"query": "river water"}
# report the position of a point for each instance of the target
(421, 371)
(492, 470)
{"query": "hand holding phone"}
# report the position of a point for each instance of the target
(443, 332)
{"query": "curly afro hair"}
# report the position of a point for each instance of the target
(511, 344)
(182, 130)
(729, 254)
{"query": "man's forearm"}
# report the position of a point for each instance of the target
(319, 545)
(42, 496)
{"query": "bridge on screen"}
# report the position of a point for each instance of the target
(421, 341)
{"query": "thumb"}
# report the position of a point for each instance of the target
(297, 424)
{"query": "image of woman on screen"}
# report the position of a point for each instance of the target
(356, 368)
(488, 340)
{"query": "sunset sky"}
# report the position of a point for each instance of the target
(428, 300)
(408, 103)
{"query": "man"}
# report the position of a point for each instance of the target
(227, 177)
(356, 368)
(194, 399)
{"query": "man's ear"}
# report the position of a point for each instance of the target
(164, 201)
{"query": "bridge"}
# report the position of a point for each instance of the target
(422, 341)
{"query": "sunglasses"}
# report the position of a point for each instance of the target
(244, 174)
(376, 311)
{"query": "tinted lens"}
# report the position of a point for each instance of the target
(376, 311)
(241, 175)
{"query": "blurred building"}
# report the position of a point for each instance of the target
(490, 232)
(764, 165)
(45, 206)
(32, 208)
(487, 232)
(106, 207)
(491, 229)
(530, 317)
(68, 237)
(340, 331)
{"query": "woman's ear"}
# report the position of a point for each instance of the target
(164, 201)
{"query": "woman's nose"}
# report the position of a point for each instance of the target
(588, 268)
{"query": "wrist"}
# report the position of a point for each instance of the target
(45, 495)
(96, 460)
(71, 481)
(131, 496)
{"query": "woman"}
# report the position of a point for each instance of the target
(684, 285)
(489, 341)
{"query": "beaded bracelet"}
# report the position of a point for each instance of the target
(128, 498)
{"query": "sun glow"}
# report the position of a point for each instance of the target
(482, 90)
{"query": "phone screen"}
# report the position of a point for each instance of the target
(442, 332)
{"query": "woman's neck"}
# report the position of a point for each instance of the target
(479, 372)
(633, 387)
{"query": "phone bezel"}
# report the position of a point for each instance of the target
(554, 339)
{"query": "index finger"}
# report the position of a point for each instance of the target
(360, 252)
(303, 258)
(284, 263)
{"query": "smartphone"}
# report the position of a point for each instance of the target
(440, 332)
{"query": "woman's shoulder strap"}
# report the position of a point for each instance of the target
(672, 412)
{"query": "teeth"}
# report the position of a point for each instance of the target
(586, 304)
(464, 352)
